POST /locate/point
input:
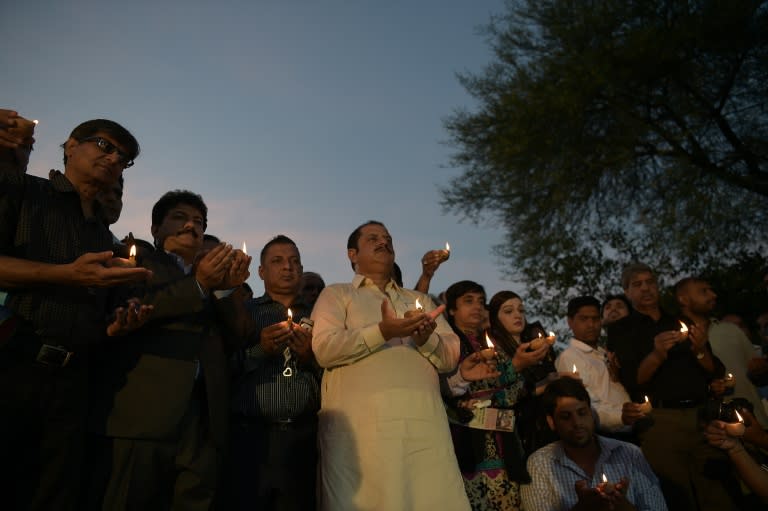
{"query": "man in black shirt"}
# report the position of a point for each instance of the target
(55, 254)
(277, 395)
(673, 369)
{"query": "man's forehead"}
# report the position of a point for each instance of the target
(569, 404)
(282, 249)
(642, 276)
(185, 208)
(588, 310)
(375, 229)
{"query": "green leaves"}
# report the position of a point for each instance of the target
(613, 131)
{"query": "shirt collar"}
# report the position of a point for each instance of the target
(186, 268)
(361, 281)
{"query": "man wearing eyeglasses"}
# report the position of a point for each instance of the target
(55, 264)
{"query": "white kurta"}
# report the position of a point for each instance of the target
(383, 432)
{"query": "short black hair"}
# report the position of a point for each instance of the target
(563, 387)
(355, 236)
(121, 135)
(582, 301)
(280, 239)
(172, 199)
(211, 237)
(461, 288)
(610, 298)
(681, 284)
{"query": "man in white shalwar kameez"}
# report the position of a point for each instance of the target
(383, 432)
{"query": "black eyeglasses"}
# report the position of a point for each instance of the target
(108, 148)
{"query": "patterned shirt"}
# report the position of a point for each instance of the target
(263, 390)
(554, 476)
(42, 220)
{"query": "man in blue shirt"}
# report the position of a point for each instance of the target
(583, 470)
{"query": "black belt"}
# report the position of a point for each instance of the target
(677, 403)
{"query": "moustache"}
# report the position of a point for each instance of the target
(187, 231)
(384, 248)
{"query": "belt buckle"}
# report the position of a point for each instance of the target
(50, 355)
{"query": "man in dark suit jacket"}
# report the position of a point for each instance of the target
(160, 393)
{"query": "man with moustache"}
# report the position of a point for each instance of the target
(567, 475)
(383, 433)
(160, 393)
(55, 254)
(697, 300)
(674, 370)
(616, 411)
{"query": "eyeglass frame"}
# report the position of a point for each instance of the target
(108, 147)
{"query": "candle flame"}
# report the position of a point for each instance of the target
(646, 399)
(35, 122)
(488, 341)
(132, 251)
(447, 247)
(245, 249)
(290, 315)
(574, 369)
(539, 335)
(418, 305)
(605, 479)
(683, 328)
(730, 376)
(739, 417)
(551, 334)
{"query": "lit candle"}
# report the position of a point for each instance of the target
(537, 343)
(290, 319)
(132, 255)
(245, 249)
(735, 428)
(730, 381)
(489, 352)
(24, 128)
(607, 486)
(683, 329)
(575, 371)
(646, 407)
(446, 252)
(418, 309)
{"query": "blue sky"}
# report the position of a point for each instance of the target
(294, 117)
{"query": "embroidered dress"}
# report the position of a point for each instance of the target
(492, 461)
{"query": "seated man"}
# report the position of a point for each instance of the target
(583, 470)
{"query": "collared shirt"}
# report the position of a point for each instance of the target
(680, 377)
(43, 220)
(607, 396)
(341, 344)
(263, 390)
(554, 475)
(733, 348)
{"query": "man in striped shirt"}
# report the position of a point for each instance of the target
(584, 471)
(277, 394)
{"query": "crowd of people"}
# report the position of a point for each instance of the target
(157, 381)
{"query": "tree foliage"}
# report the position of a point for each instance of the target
(610, 131)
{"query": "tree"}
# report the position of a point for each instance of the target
(610, 131)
